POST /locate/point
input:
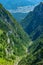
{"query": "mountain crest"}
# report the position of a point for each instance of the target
(41, 3)
(39, 8)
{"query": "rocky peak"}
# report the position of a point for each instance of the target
(38, 10)
(41, 3)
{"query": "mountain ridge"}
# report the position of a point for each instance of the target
(34, 20)
(33, 25)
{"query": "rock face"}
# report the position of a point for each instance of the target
(33, 22)
(12, 36)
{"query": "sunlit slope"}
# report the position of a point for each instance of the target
(13, 40)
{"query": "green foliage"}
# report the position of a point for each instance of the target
(13, 39)
(33, 59)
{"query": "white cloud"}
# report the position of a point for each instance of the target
(24, 9)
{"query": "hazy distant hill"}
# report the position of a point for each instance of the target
(19, 16)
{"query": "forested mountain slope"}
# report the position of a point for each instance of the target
(13, 40)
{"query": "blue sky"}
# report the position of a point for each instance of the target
(22, 6)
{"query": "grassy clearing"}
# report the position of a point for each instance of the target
(5, 62)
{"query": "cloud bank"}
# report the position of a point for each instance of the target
(22, 9)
